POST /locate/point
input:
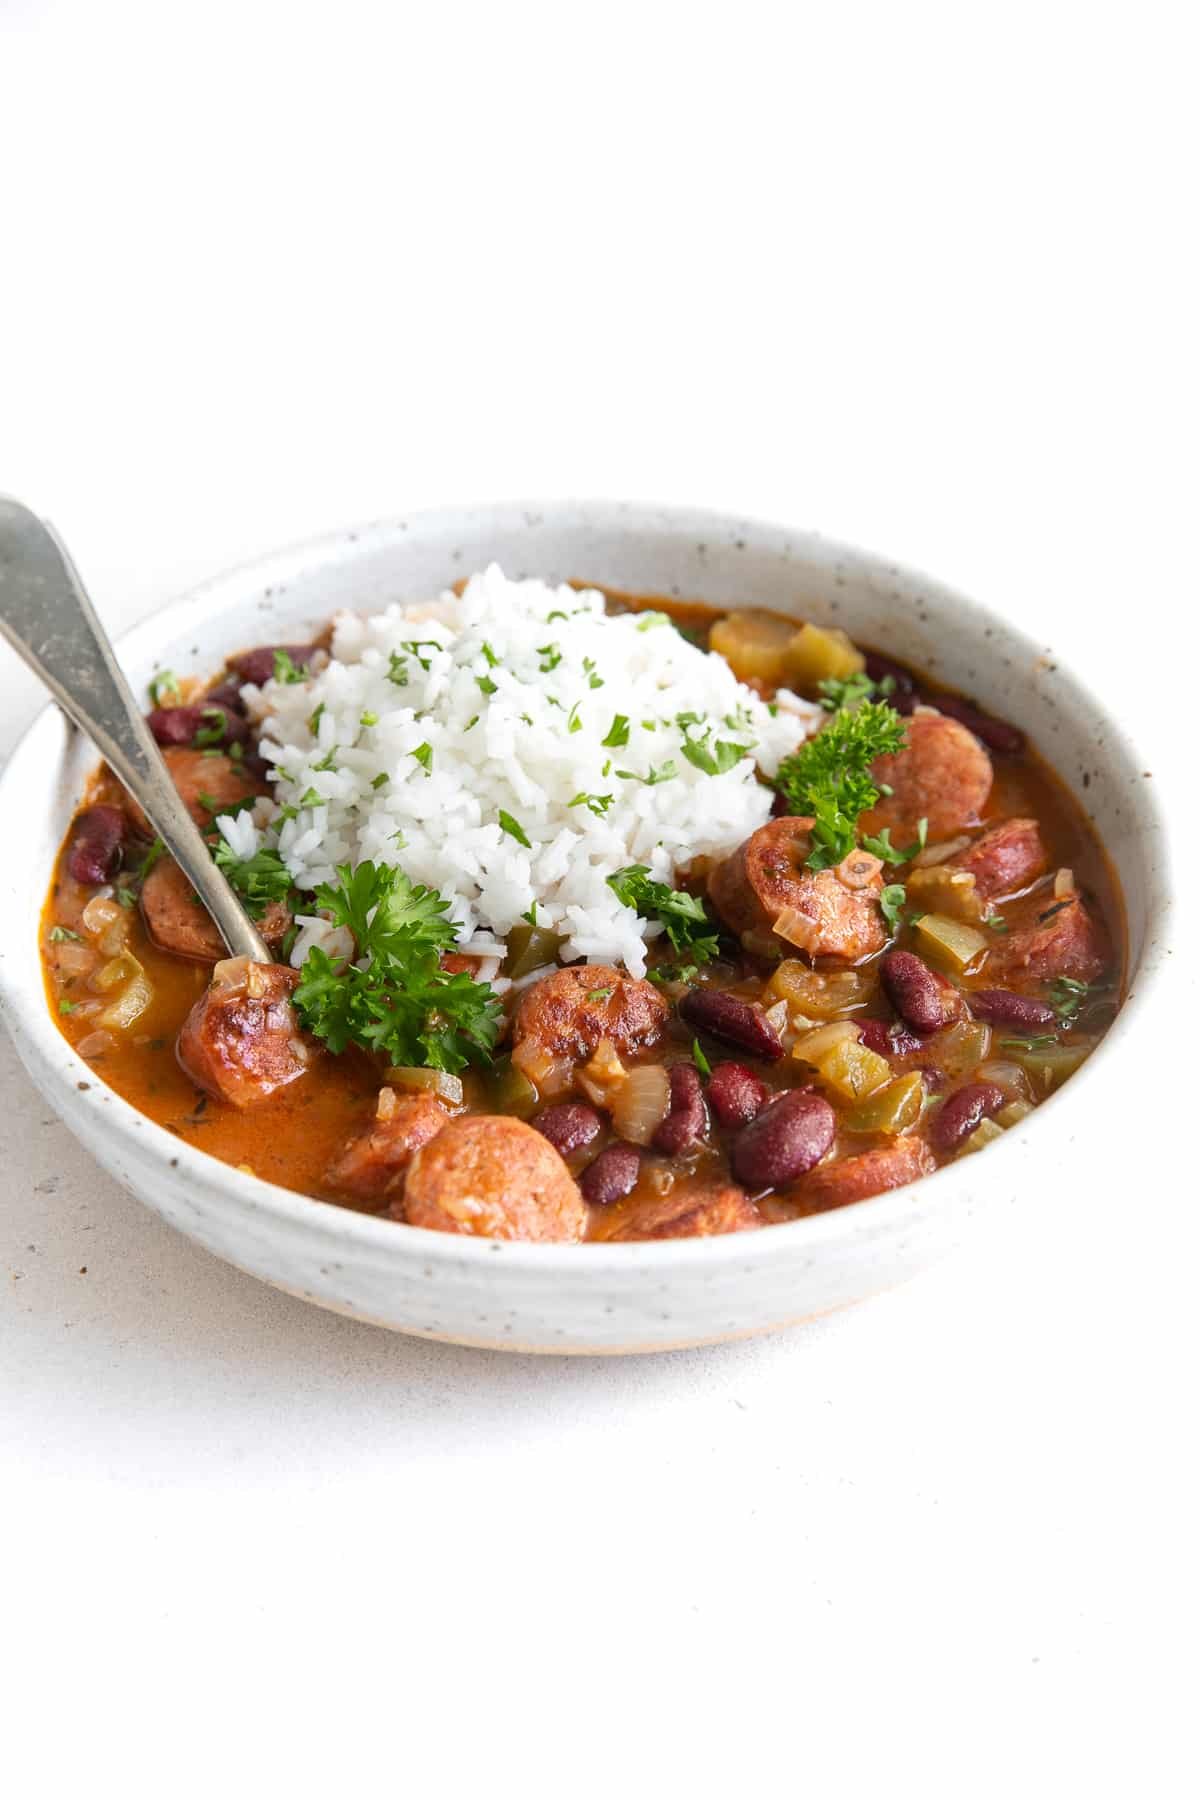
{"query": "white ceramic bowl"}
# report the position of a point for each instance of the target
(593, 1298)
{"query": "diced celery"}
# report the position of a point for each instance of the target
(893, 1108)
(511, 1091)
(818, 654)
(814, 995)
(1049, 1065)
(1013, 1113)
(959, 1048)
(949, 942)
(843, 1063)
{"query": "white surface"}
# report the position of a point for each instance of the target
(917, 276)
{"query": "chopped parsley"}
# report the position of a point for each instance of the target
(883, 847)
(589, 669)
(314, 718)
(553, 656)
(574, 722)
(286, 671)
(598, 804)
(618, 733)
(415, 647)
(402, 1004)
(698, 1057)
(310, 797)
(1067, 996)
(380, 780)
(423, 754)
(531, 916)
(61, 934)
(213, 732)
(326, 764)
(485, 684)
(257, 879)
(489, 655)
(513, 828)
(891, 901)
(718, 760)
(829, 777)
(652, 620)
(684, 916)
(840, 692)
(397, 669)
(368, 719)
(67, 1006)
(668, 772)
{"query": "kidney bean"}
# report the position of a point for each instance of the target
(735, 1094)
(735, 1021)
(962, 1112)
(785, 1141)
(568, 1127)
(887, 1040)
(97, 837)
(227, 694)
(903, 695)
(995, 733)
(215, 725)
(924, 999)
(1020, 1012)
(613, 1175)
(686, 1122)
(259, 665)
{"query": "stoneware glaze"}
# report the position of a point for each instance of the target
(594, 1298)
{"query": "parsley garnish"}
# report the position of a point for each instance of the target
(368, 719)
(485, 684)
(379, 781)
(666, 773)
(891, 900)
(684, 916)
(286, 670)
(397, 669)
(589, 669)
(883, 847)
(553, 656)
(618, 733)
(214, 731)
(698, 1057)
(314, 718)
(403, 1004)
(416, 646)
(67, 1006)
(1067, 996)
(326, 763)
(310, 797)
(60, 934)
(489, 655)
(509, 824)
(723, 756)
(574, 722)
(595, 803)
(257, 879)
(423, 754)
(829, 777)
(652, 620)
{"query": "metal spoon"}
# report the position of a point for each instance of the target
(49, 620)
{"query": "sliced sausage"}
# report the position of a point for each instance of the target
(241, 1041)
(566, 1014)
(709, 1209)
(202, 776)
(1006, 859)
(97, 839)
(859, 1177)
(178, 923)
(494, 1177)
(943, 775)
(1066, 940)
(766, 876)
(371, 1164)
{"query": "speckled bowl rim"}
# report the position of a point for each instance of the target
(29, 1015)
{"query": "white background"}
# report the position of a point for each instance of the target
(919, 276)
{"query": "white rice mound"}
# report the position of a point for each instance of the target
(563, 669)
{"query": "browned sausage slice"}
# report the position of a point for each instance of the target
(371, 1164)
(707, 1210)
(178, 923)
(943, 774)
(859, 1177)
(1005, 859)
(241, 1041)
(566, 1014)
(1066, 940)
(196, 773)
(494, 1177)
(766, 877)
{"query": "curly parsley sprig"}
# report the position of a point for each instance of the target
(684, 916)
(395, 999)
(829, 778)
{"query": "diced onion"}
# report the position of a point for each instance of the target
(131, 1002)
(814, 1044)
(605, 1072)
(1009, 1077)
(796, 928)
(112, 974)
(932, 854)
(230, 973)
(777, 1016)
(106, 921)
(640, 1104)
(1064, 884)
(428, 1081)
(94, 1044)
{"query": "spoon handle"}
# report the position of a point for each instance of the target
(49, 620)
